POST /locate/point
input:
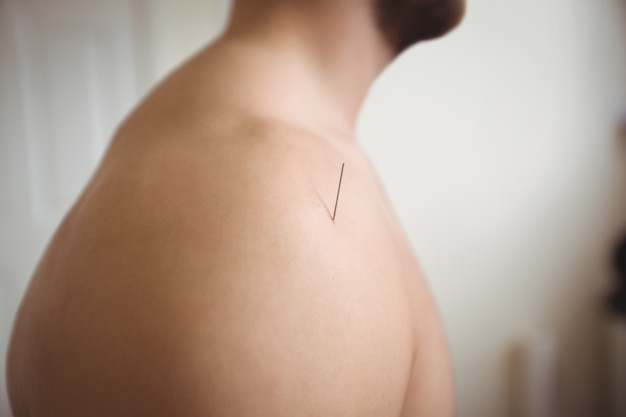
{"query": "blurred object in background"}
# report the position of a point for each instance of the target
(535, 376)
(617, 341)
(540, 387)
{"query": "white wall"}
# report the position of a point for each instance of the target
(185, 26)
(498, 148)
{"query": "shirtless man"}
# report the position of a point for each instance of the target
(200, 272)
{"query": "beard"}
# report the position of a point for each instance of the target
(406, 22)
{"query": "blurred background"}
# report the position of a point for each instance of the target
(502, 147)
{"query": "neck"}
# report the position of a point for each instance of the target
(310, 62)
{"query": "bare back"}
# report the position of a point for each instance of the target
(200, 273)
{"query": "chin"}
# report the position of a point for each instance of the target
(407, 22)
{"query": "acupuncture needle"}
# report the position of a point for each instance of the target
(338, 190)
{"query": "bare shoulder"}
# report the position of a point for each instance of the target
(209, 279)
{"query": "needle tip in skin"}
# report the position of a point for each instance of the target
(338, 190)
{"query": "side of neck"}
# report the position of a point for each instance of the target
(317, 59)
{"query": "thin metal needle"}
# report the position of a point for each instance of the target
(338, 190)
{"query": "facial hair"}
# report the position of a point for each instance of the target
(407, 22)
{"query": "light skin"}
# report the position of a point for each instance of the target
(200, 272)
